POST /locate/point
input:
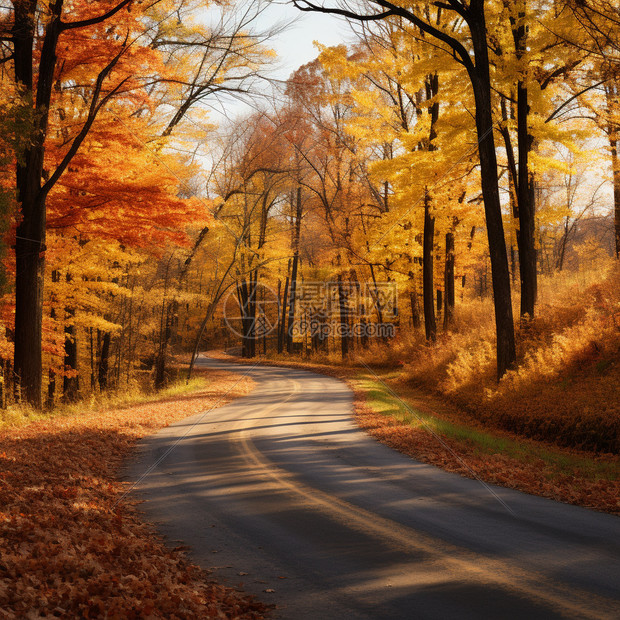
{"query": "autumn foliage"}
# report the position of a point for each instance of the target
(563, 389)
(475, 173)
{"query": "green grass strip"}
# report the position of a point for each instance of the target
(381, 401)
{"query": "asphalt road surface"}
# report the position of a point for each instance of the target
(281, 494)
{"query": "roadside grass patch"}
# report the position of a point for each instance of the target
(133, 394)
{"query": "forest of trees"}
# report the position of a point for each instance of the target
(449, 151)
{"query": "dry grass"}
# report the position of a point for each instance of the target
(71, 545)
(564, 389)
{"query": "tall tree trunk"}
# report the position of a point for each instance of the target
(282, 326)
(448, 312)
(243, 296)
(614, 141)
(526, 205)
(415, 310)
(30, 242)
(291, 305)
(500, 273)
(344, 323)
(616, 164)
(428, 242)
(252, 333)
(51, 389)
(71, 384)
(31, 194)
(293, 285)
(430, 324)
(51, 375)
(104, 361)
(93, 380)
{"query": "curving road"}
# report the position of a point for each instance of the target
(280, 492)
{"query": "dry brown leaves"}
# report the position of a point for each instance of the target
(69, 550)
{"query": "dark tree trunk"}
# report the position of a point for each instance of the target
(252, 333)
(51, 389)
(93, 380)
(243, 296)
(448, 312)
(428, 242)
(31, 194)
(104, 361)
(617, 200)
(344, 324)
(615, 162)
(291, 305)
(415, 310)
(28, 314)
(525, 200)
(500, 273)
(522, 179)
(430, 325)
(71, 383)
(293, 284)
(30, 242)
(246, 292)
(51, 375)
(282, 326)
(6, 385)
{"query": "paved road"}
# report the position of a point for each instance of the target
(280, 492)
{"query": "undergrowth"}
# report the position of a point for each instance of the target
(564, 388)
(133, 394)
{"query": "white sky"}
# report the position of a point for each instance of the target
(295, 45)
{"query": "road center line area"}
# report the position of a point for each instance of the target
(279, 493)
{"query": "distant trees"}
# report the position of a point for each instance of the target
(473, 53)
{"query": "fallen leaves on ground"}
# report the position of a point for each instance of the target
(71, 546)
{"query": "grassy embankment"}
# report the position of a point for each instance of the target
(71, 544)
